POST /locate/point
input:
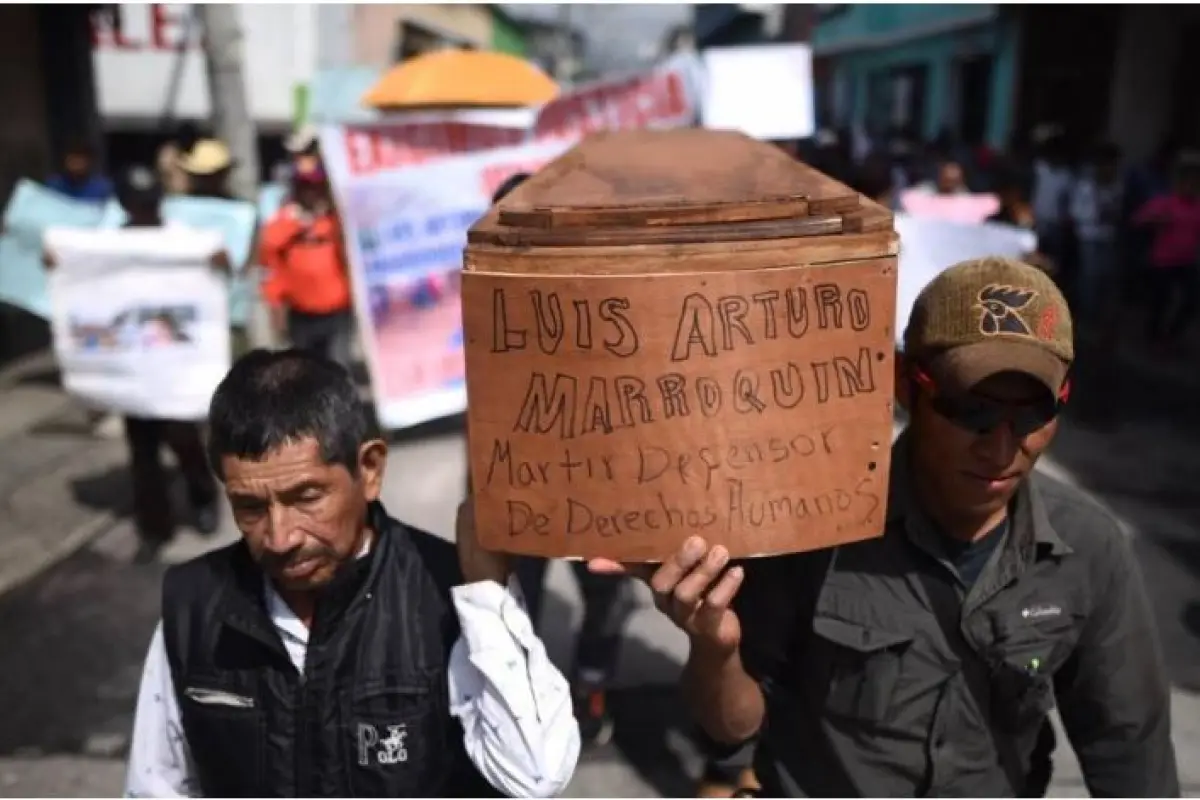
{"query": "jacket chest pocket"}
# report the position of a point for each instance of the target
(1027, 649)
(226, 731)
(855, 668)
(392, 740)
(1023, 659)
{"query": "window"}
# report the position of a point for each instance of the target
(416, 39)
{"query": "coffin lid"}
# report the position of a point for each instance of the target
(675, 187)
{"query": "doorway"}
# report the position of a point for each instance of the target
(974, 98)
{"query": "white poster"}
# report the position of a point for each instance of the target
(408, 188)
(140, 318)
(928, 246)
(764, 91)
(405, 229)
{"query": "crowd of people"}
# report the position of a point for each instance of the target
(306, 288)
(1119, 236)
(336, 651)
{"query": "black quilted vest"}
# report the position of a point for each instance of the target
(369, 717)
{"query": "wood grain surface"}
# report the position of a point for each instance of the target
(616, 416)
(680, 332)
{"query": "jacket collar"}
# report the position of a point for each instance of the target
(242, 602)
(1030, 528)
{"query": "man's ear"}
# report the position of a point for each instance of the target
(903, 382)
(372, 463)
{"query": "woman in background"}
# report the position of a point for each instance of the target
(1174, 219)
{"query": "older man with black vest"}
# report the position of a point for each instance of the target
(335, 651)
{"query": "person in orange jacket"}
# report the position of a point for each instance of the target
(307, 283)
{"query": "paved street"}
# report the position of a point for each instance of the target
(74, 636)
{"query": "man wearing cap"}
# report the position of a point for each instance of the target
(925, 662)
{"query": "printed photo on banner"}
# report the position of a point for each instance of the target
(405, 230)
(140, 318)
(140, 327)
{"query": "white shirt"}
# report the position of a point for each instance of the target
(519, 727)
(1051, 192)
(1094, 209)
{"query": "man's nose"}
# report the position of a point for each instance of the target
(999, 445)
(283, 536)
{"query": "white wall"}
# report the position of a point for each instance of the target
(135, 66)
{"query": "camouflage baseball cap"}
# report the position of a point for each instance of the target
(987, 316)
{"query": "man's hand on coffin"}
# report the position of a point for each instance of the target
(477, 564)
(694, 589)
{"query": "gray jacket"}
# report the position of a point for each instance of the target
(885, 676)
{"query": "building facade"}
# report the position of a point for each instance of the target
(388, 33)
(923, 69)
(994, 73)
(47, 92)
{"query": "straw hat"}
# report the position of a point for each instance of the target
(208, 157)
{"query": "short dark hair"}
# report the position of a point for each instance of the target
(271, 398)
(512, 182)
(874, 177)
(79, 146)
(187, 134)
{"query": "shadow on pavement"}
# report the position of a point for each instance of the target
(652, 730)
(1132, 439)
(75, 638)
(110, 491)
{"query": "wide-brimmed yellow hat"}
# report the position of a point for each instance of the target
(207, 157)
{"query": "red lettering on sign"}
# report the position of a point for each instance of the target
(371, 148)
(640, 102)
(164, 27)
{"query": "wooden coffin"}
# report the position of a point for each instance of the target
(675, 333)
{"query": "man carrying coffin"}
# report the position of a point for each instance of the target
(334, 651)
(925, 662)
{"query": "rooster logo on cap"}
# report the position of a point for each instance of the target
(999, 306)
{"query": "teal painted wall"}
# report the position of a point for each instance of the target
(938, 53)
(861, 20)
(1004, 83)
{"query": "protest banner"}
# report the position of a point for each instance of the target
(30, 211)
(405, 229)
(413, 139)
(636, 378)
(664, 97)
(235, 220)
(762, 90)
(140, 319)
(409, 187)
(929, 246)
(963, 208)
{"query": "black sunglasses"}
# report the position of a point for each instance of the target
(981, 415)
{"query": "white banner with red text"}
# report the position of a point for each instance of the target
(405, 229)
(409, 188)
